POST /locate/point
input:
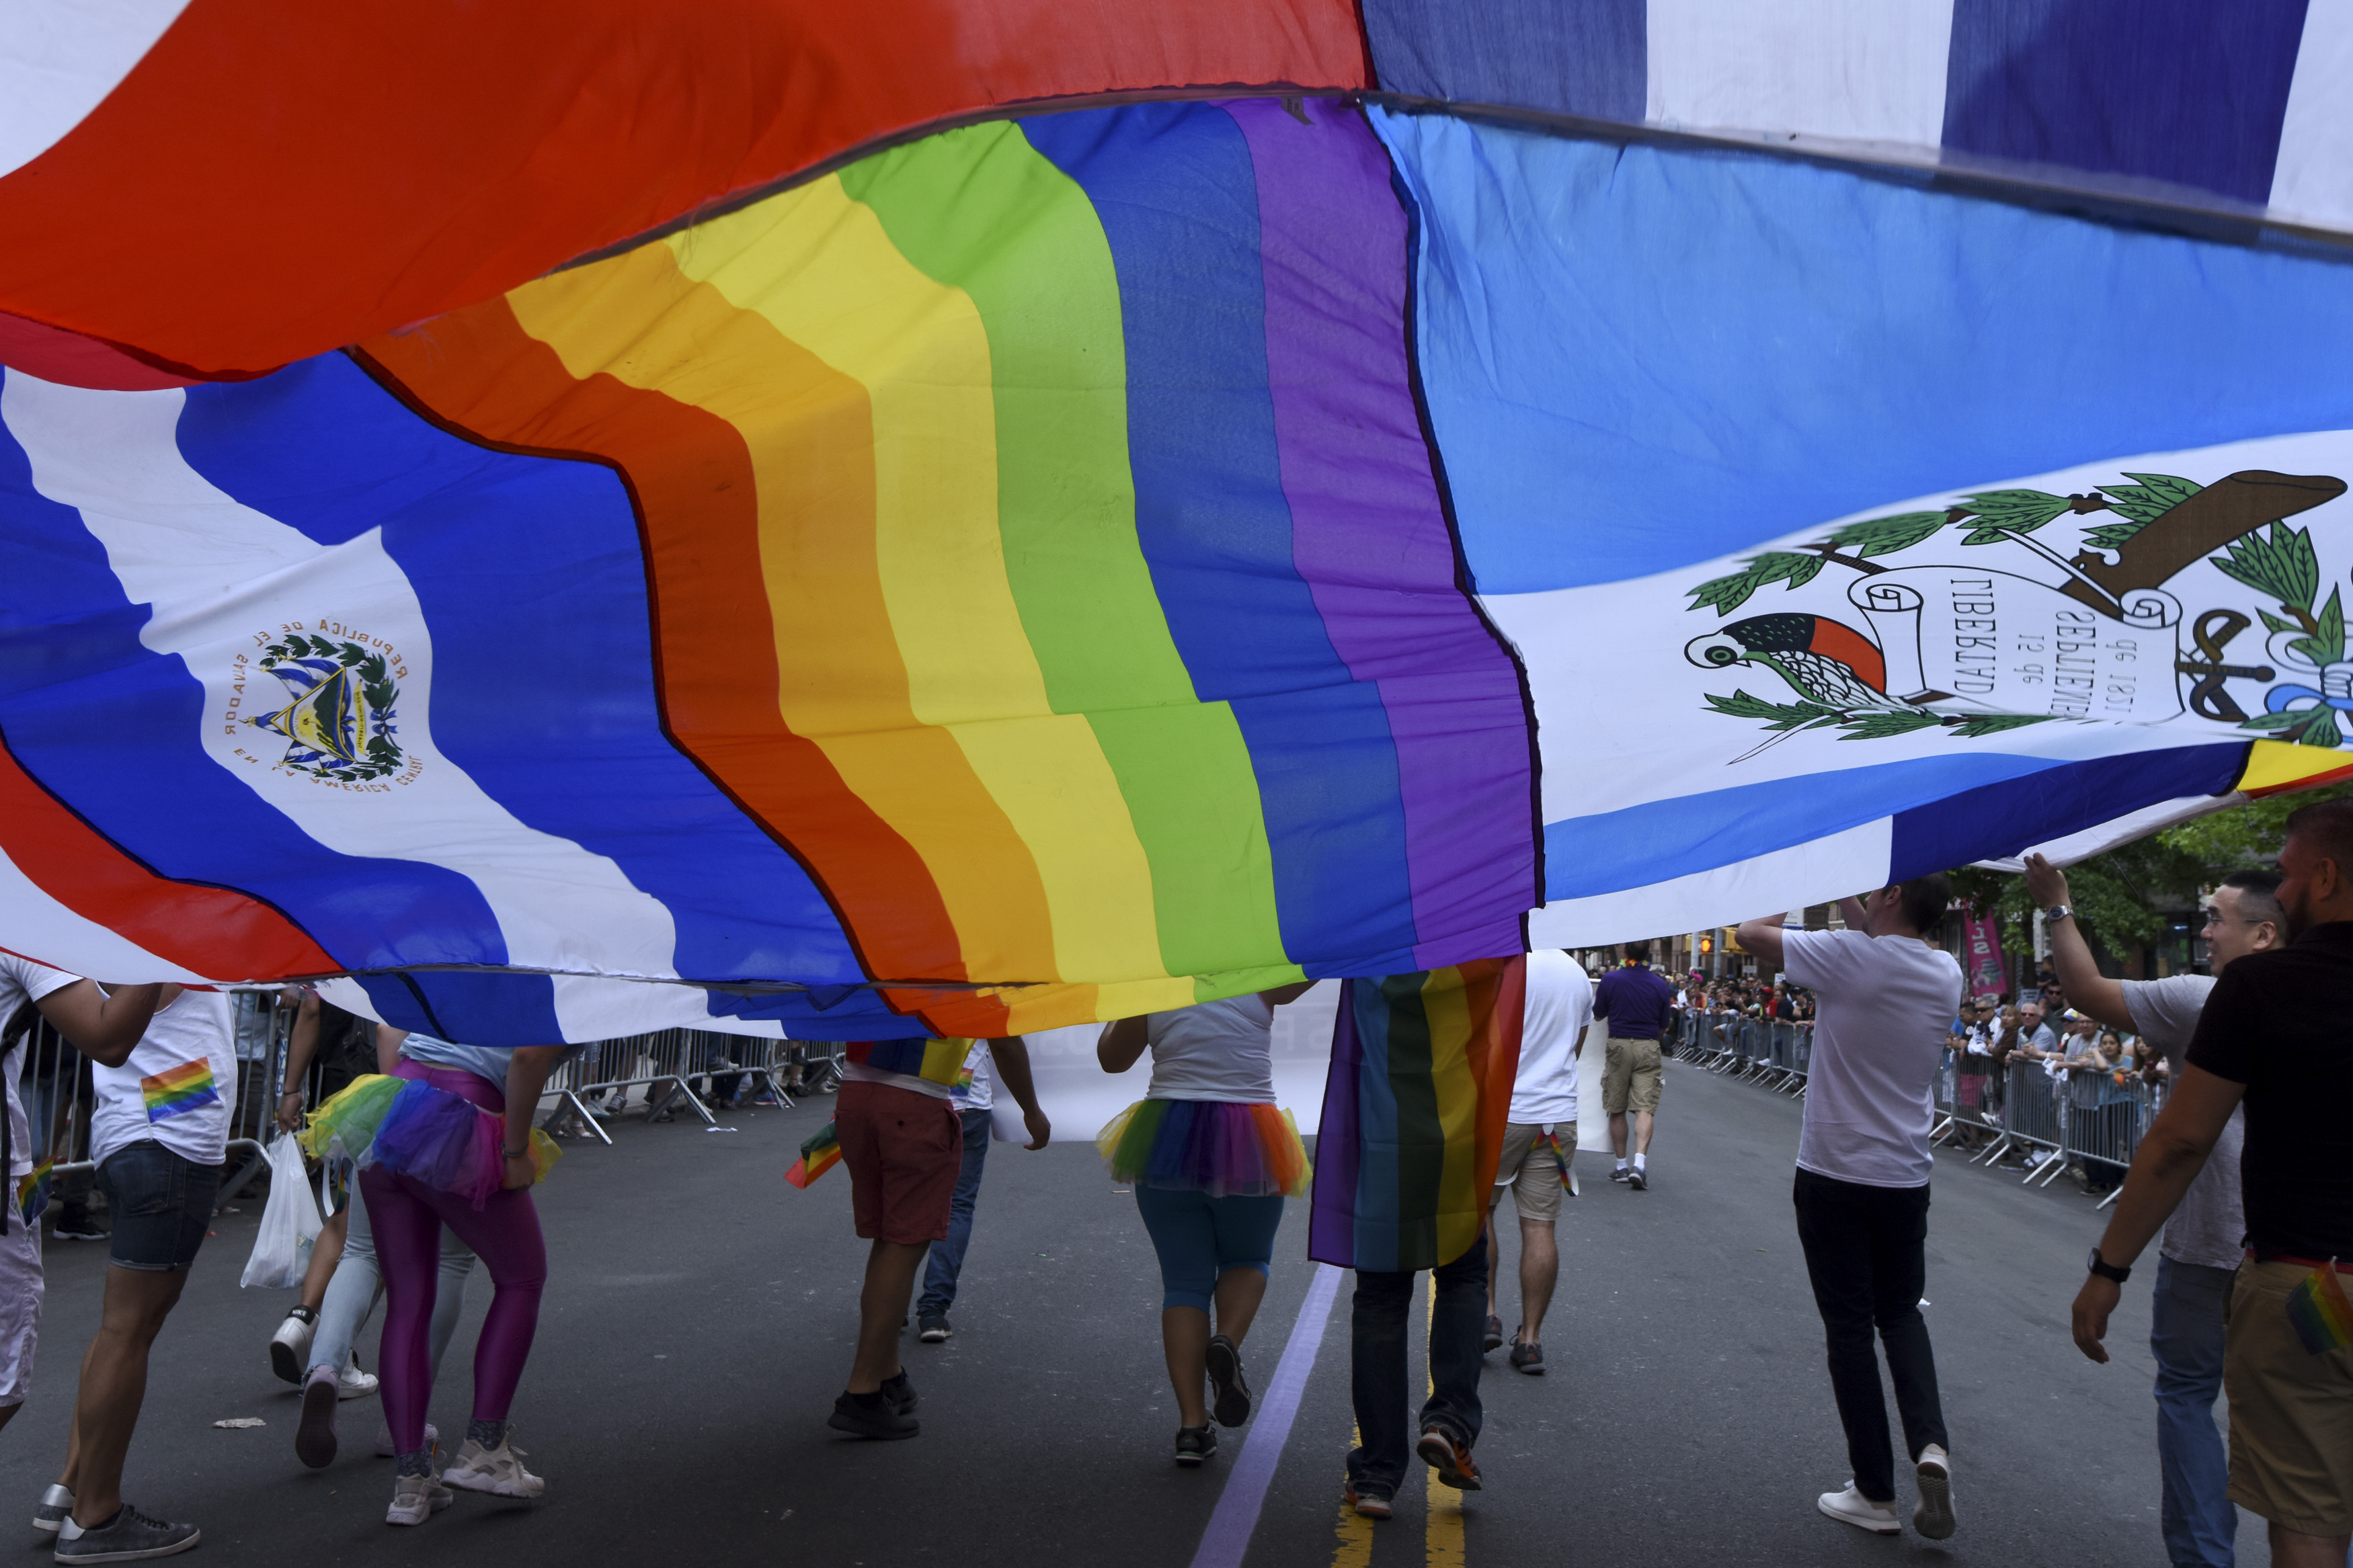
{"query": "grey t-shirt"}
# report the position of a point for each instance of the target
(2210, 1225)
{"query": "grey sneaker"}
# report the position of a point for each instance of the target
(498, 1471)
(931, 1328)
(56, 1508)
(1230, 1404)
(314, 1434)
(290, 1347)
(415, 1499)
(1933, 1516)
(128, 1537)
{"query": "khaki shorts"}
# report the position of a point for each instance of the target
(1532, 1173)
(1629, 1076)
(2291, 1413)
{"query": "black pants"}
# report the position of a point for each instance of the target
(1863, 1255)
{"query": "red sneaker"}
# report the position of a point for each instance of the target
(1372, 1505)
(1450, 1459)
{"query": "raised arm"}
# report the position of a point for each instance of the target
(2070, 955)
(1121, 1043)
(2172, 1152)
(1762, 936)
(102, 1027)
(1010, 1053)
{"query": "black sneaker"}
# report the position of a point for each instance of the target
(56, 1507)
(1622, 1173)
(1230, 1396)
(933, 1327)
(1528, 1358)
(1639, 1179)
(900, 1392)
(1494, 1339)
(870, 1415)
(314, 1434)
(75, 1225)
(128, 1537)
(1196, 1444)
(1450, 1458)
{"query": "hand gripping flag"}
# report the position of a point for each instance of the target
(819, 1153)
(1413, 1114)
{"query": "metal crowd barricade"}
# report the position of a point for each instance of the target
(2110, 1133)
(2030, 1118)
(653, 1072)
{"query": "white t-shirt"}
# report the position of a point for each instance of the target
(1559, 1006)
(178, 1086)
(2209, 1227)
(1214, 1051)
(980, 1094)
(22, 981)
(1882, 1005)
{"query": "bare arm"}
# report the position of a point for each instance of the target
(1011, 1055)
(2171, 1154)
(105, 1028)
(1282, 993)
(388, 1047)
(1121, 1043)
(1762, 937)
(527, 1072)
(2090, 991)
(301, 1041)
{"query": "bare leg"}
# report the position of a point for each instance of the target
(1539, 1269)
(1184, 1342)
(1642, 1121)
(1618, 1133)
(115, 1385)
(326, 1253)
(891, 1269)
(2294, 1549)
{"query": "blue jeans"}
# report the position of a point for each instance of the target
(947, 1255)
(2185, 1335)
(1376, 1365)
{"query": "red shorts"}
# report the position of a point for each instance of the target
(904, 1151)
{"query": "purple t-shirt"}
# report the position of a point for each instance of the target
(1636, 1003)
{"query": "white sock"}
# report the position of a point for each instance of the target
(1622, 1164)
(1642, 1162)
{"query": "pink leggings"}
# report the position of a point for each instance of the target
(407, 1216)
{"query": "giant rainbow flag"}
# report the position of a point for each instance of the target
(577, 519)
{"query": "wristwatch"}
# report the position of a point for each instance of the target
(2057, 912)
(2108, 1270)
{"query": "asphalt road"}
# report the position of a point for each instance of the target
(700, 1315)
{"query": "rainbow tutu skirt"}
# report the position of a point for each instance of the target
(1215, 1146)
(411, 1127)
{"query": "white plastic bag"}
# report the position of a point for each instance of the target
(290, 1223)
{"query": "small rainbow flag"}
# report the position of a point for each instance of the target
(1550, 1141)
(821, 1154)
(2321, 1315)
(1413, 1114)
(33, 1192)
(178, 1090)
(935, 1061)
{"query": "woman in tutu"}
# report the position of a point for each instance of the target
(447, 1140)
(1211, 1158)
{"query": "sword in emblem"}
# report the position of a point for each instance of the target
(2212, 633)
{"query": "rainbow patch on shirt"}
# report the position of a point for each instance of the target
(176, 1092)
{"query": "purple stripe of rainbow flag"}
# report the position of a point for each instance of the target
(178, 1090)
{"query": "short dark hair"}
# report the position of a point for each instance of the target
(2259, 891)
(1638, 950)
(2327, 827)
(1924, 901)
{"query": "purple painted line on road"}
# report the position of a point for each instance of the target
(1229, 1534)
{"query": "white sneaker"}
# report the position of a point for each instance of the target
(498, 1471)
(1850, 1507)
(1934, 1517)
(354, 1384)
(290, 1347)
(415, 1499)
(384, 1448)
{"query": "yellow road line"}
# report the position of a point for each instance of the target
(1356, 1531)
(1441, 1522)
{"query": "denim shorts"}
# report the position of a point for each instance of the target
(160, 1206)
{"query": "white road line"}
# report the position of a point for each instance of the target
(1227, 1536)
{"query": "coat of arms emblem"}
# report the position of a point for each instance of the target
(2007, 631)
(340, 722)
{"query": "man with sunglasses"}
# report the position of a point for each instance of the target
(2200, 1254)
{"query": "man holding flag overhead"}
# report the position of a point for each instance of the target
(898, 1132)
(2273, 1037)
(1885, 997)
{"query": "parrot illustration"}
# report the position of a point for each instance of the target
(1823, 660)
